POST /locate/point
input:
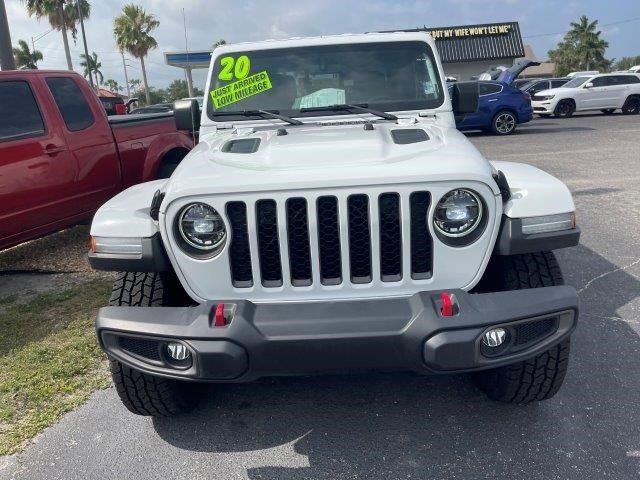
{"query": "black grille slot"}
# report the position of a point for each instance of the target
(390, 237)
(298, 236)
(239, 250)
(421, 243)
(141, 347)
(329, 241)
(268, 244)
(359, 238)
(534, 331)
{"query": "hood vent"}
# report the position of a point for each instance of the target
(242, 145)
(406, 136)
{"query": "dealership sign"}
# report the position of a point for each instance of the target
(477, 31)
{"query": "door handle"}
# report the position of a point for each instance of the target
(52, 149)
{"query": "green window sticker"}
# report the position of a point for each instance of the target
(238, 91)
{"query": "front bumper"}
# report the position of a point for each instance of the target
(544, 106)
(407, 333)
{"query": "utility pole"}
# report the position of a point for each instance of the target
(7, 62)
(86, 50)
(126, 77)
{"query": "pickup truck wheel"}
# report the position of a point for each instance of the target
(141, 393)
(504, 123)
(564, 109)
(540, 377)
(631, 106)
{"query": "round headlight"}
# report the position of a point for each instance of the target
(202, 227)
(458, 213)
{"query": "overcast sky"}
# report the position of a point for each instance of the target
(542, 22)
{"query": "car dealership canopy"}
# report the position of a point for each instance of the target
(466, 50)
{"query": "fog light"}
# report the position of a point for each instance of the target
(495, 337)
(178, 351)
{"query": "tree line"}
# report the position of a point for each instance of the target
(132, 30)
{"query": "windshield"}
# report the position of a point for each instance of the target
(390, 76)
(576, 82)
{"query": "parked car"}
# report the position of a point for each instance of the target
(538, 85)
(605, 92)
(113, 105)
(502, 107)
(156, 108)
(520, 82)
(334, 236)
(584, 73)
(61, 157)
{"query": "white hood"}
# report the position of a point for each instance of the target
(324, 157)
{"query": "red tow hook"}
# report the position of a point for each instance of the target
(447, 308)
(218, 316)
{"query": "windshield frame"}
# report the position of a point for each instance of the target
(224, 116)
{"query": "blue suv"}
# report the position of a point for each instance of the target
(502, 106)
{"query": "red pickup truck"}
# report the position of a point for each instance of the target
(61, 157)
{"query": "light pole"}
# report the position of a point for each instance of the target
(126, 77)
(7, 62)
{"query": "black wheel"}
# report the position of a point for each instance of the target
(141, 393)
(504, 123)
(540, 377)
(564, 108)
(631, 106)
(608, 111)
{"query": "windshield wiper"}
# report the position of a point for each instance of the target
(363, 107)
(262, 113)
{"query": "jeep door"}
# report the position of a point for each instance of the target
(36, 168)
(600, 95)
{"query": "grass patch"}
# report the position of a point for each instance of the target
(4, 301)
(50, 360)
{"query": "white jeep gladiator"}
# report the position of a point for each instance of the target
(332, 219)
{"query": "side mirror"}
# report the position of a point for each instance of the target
(186, 114)
(588, 85)
(465, 97)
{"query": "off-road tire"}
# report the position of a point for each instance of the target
(504, 123)
(564, 109)
(631, 105)
(540, 377)
(141, 393)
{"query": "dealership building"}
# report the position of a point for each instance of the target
(466, 50)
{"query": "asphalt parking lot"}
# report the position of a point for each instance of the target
(403, 426)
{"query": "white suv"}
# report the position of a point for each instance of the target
(604, 92)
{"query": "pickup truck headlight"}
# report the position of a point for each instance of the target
(201, 230)
(458, 214)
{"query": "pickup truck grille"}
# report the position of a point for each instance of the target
(355, 240)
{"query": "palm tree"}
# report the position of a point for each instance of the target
(25, 58)
(62, 16)
(112, 85)
(590, 48)
(92, 66)
(132, 29)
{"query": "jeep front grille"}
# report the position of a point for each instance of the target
(355, 240)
